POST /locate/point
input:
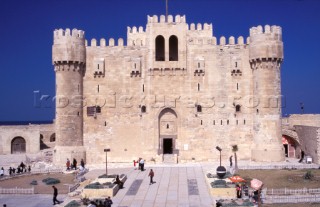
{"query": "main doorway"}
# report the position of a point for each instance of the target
(167, 146)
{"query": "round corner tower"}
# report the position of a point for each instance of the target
(266, 56)
(68, 58)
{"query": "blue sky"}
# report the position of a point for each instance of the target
(26, 32)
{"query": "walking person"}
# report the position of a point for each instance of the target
(55, 194)
(74, 163)
(82, 163)
(230, 159)
(68, 164)
(151, 174)
(2, 172)
(108, 202)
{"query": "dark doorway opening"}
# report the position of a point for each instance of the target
(167, 146)
(286, 150)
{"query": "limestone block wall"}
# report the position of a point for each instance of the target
(309, 137)
(30, 133)
(304, 119)
(121, 80)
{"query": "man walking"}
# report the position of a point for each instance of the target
(151, 174)
(55, 194)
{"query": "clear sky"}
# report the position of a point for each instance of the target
(26, 35)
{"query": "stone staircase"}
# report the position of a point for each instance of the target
(170, 158)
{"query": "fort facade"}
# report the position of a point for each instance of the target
(173, 93)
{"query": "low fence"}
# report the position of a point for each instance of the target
(73, 188)
(17, 190)
(287, 191)
(292, 199)
(279, 167)
(40, 171)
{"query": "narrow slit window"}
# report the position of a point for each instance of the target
(214, 122)
(221, 122)
(143, 109)
(98, 88)
(199, 108)
(201, 122)
(105, 123)
(198, 65)
(236, 64)
(244, 121)
(227, 122)
(167, 126)
(142, 87)
(237, 86)
(237, 122)
(198, 87)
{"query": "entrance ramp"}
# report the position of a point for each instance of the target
(170, 158)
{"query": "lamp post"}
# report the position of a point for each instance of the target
(219, 149)
(221, 171)
(107, 150)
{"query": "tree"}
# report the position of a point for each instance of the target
(235, 150)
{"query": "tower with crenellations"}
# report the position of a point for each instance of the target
(69, 60)
(172, 93)
(266, 56)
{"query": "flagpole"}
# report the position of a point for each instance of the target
(166, 10)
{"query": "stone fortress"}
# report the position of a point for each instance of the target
(172, 94)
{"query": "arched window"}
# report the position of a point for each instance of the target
(160, 48)
(18, 145)
(53, 137)
(173, 48)
(238, 108)
(143, 109)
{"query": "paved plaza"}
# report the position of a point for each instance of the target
(175, 185)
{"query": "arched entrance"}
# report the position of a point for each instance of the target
(168, 131)
(18, 145)
(290, 147)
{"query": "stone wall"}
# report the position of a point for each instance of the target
(304, 119)
(309, 137)
(30, 133)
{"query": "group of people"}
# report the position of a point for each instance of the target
(22, 168)
(140, 162)
(73, 165)
(106, 203)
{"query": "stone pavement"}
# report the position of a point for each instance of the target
(176, 185)
(35, 200)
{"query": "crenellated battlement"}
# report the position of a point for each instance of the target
(60, 36)
(266, 30)
(162, 19)
(266, 43)
(266, 33)
(135, 30)
(200, 27)
(103, 43)
(68, 46)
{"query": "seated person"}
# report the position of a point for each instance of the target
(119, 182)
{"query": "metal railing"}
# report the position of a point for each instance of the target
(271, 167)
(292, 199)
(17, 190)
(288, 191)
